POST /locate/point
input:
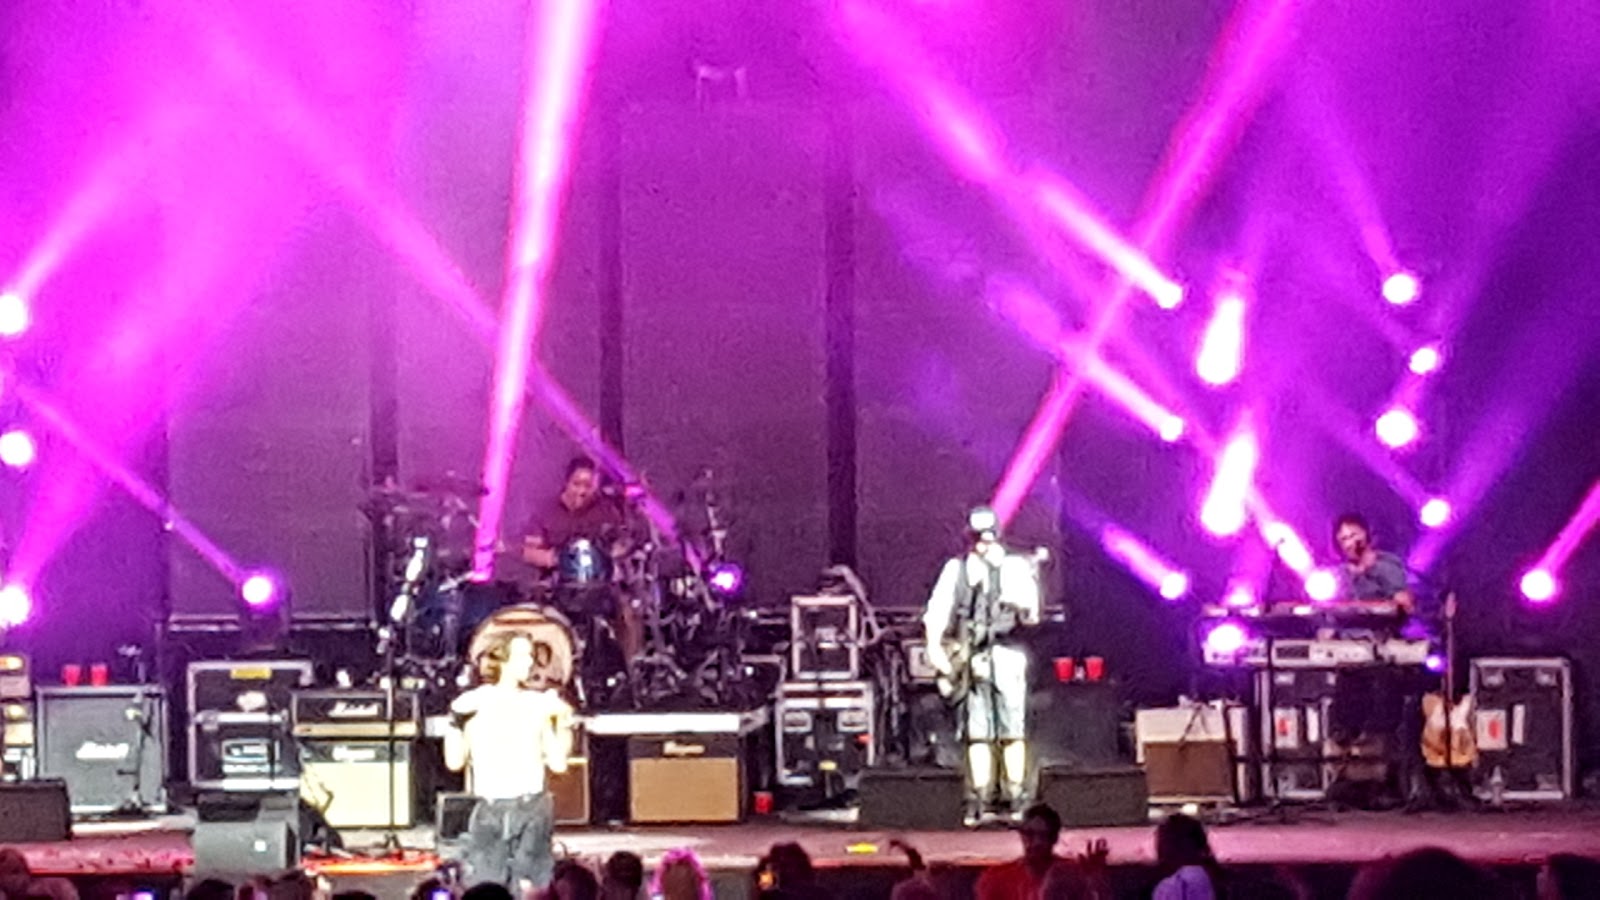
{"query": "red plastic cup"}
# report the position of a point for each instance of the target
(1094, 667)
(99, 675)
(72, 674)
(1066, 668)
(763, 803)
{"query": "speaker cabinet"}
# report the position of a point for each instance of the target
(358, 784)
(244, 835)
(685, 778)
(108, 743)
(1095, 798)
(912, 798)
(34, 812)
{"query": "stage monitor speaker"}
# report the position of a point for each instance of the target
(358, 784)
(685, 778)
(108, 743)
(1096, 798)
(912, 798)
(34, 812)
(244, 835)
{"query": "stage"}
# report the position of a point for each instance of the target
(1322, 848)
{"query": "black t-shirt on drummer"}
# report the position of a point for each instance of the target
(600, 521)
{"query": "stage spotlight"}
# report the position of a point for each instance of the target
(1225, 639)
(725, 578)
(1424, 360)
(1540, 586)
(1322, 585)
(1434, 513)
(14, 315)
(1396, 428)
(15, 605)
(1434, 663)
(1173, 585)
(1401, 288)
(1240, 595)
(260, 591)
(17, 449)
(1172, 428)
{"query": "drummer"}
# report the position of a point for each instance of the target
(579, 511)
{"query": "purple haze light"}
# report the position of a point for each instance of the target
(1540, 586)
(1396, 428)
(1434, 513)
(17, 449)
(259, 591)
(14, 314)
(1401, 288)
(1424, 360)
(1223, 511)
(1225, 639)
(15, 605)
(1322, 585)
(726, 578)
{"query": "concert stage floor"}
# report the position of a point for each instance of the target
(861, 856)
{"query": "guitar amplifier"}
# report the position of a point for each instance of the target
(685, 778)
(1523, 727)
(1195, 753)
(357, 783)
(107, 743)
(352, 714)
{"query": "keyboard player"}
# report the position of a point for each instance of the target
(1379, 704)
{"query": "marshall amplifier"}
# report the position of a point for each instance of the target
(350, 714)
(107, 743)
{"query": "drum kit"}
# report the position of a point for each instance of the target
(630, 624)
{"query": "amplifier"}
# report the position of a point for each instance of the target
(354, 714)
(108, 743)
(34, 812)
(354, 783)
(825, 731)
(685, 778)
(1194, 754)
(825, 638)
(1524, 728)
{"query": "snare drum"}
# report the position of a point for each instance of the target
(582, 564)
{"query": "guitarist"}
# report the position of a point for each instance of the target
(982, 599)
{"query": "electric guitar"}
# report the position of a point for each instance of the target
(1448, 741)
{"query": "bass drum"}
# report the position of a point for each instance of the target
(555, 649)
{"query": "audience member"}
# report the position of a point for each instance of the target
(432, 889)
(1183, 856)
(1568, 877)
(792, 875)
(487, 890)
(623, 877)
(1426, 874)
(52, 889)
(571, 880)
(354, 895)
(1024, 878)
(15, 876)
(681, 877)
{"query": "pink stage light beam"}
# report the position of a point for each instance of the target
(556, 72)
(1221, 353)
(1223, 512)
(1170, 582)
(1542, 583)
